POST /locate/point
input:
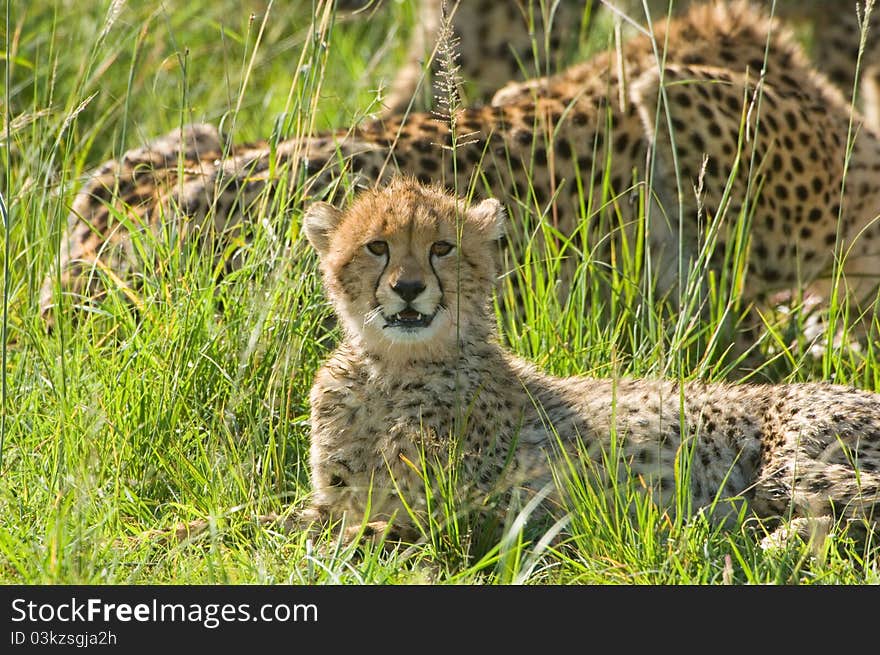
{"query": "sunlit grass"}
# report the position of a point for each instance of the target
(122, 424)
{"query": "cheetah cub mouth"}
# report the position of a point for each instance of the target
(409, 320)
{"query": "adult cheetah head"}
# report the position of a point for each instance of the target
(409, 268)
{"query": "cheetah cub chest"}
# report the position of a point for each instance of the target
(420, 385)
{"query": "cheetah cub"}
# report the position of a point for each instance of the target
(420, 376)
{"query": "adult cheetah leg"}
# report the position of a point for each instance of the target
(734, 164)
(855, 239)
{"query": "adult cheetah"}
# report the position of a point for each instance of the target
(420, 377)
(502, 40)
(757, 134)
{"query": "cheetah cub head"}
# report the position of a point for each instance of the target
(409, 269)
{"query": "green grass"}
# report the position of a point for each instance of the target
(114, 427)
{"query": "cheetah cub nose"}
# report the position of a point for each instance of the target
(409, 290)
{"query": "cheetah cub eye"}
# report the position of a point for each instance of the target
(378, 248)
(442, 248)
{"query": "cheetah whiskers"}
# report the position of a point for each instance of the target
(372, 315)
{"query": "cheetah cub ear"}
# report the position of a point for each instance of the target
(319, 222)
(490, 216)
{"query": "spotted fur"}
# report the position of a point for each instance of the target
(452, 396)
(570, 151)
(503, 40)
